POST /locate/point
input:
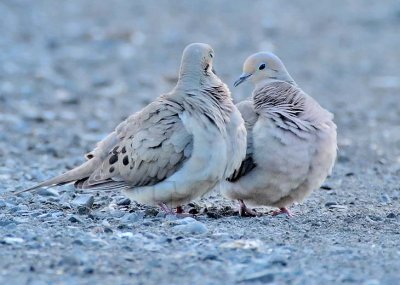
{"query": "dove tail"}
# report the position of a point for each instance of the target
(82, 171)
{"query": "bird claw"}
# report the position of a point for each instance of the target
(244, 211)
(179, 211)
(283, 211)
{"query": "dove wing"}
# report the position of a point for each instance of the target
(150, 146)
(250, 118)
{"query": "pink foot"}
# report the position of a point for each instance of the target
(179, 210)
(283, 211)
(246, 212)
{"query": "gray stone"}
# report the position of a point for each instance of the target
(132, 217)
(264, 277)
(47, 192)
(123, 202)
(69, 260)
(338, 207)
(75, 219)
(4, 223)
(190, 226)
(12, 240)
(331, 184)
(117, 214)
(56, 215)
(82, 210)
(385, 199)
(329, 204)
(83, 200)
(151, 212)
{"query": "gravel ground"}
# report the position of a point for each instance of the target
(71, 70)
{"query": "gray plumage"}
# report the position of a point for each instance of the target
(291, 139)
(175, 149)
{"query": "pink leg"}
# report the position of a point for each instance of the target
(283, 210)
(246, 212)
(166, 209)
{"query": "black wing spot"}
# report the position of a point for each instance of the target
(111, 169)
(125, 161)
(123, 150)
(115, 150)
(113, 159)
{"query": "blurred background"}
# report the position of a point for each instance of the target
(70, 71)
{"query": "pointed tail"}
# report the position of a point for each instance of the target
(82, 171)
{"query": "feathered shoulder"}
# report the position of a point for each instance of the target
(291, 108)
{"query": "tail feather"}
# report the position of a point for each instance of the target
(78, 173)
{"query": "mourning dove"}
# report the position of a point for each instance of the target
(291, 146)
(175, 149)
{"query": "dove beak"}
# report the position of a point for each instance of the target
(242, 78)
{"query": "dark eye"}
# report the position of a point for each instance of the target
(211, 55)
(262, 66)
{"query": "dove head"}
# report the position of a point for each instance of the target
(264, 67)
(196, 61)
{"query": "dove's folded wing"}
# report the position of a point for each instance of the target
(250, 118)
(151, 146)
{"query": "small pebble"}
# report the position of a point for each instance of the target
(74, 219)
(243, 244)
(82, 210)
(124, 202)
(83, 200)
(375, 218)
(132, 217)
(385, 199)
(151, 212)
(264, 277)
(13, 240)
(4, 223)
(48, 192)
(331, 184)
(77, 242)
(190, 226)
(88, 270)
(329, 204)
(127, 235)
(338, 207)
(108, 230)
(391, 216)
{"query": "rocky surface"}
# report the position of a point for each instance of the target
(71, 70)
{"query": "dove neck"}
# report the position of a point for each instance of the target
(279, 78)
(188, 77)
(285, 76)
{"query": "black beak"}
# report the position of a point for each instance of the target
(241, 79)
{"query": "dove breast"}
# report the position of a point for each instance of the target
(198, 174)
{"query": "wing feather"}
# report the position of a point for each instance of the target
(153, 144)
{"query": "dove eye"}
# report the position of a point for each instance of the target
(262, 66)
(211, 55)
